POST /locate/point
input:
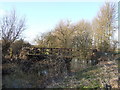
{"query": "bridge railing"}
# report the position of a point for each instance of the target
(52, 51)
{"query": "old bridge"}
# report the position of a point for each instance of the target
(40, 53)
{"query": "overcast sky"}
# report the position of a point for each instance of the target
(43, 16)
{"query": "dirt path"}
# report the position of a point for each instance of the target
(105, 73)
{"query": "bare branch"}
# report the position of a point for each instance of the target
(11, 27)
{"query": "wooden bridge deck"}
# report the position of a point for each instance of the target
(51, 52)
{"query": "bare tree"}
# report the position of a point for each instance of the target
(64, 33)
(104, 26)
(60, 36)
(11, 26)
(82, 38)
(46, 40)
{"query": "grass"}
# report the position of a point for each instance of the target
(87, 72)
(85, 78)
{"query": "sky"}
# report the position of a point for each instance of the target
(44, 16)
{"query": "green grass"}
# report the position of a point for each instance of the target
(87, 73)
(87, 78)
